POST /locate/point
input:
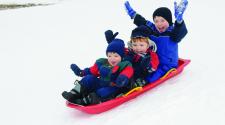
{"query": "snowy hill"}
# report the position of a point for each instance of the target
(38, 44)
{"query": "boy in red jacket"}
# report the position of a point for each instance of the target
(142, 54)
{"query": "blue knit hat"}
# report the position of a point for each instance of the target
(141, 31)
(116, 45)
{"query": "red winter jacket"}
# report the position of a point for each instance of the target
(142, 63)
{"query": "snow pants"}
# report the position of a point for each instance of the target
(94, 84)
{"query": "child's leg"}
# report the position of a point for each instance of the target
(90, 82)
(106, 93)
(155, 76)
(81, 89)
(161, 71)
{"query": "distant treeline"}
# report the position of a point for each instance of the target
(14, 6)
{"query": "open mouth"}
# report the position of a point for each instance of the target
(161, 29)
(113, 63)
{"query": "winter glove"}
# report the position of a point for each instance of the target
(179, 10)
(122, 81)
(145, 63)
(110, 36)
(105, 71)
(76, 70)
(130, 11)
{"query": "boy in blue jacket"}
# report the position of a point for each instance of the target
(166, 35)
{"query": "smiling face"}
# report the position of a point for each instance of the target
(140, 45)
(113, 58)
(161, 24)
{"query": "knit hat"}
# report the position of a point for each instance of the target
(165, 13)
(141, 31)
(144, 32)
(116, 45)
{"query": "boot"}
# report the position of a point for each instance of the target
(90, 99)
(93, 98)
(75, 93)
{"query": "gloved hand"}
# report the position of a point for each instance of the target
(179, 10)
(110, 36)
(76, 70)
(105, 71)
(122, 81)
(130, 11)
(145, 63)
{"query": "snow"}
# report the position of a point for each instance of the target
(38, 44)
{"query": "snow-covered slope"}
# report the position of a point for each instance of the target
(38, 45)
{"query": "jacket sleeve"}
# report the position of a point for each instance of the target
(94, 70)
(129, 56)
(179, 32)
(140, 20)
(154, 60)
(127, 71)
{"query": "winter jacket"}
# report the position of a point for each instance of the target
(123, 68)
(167, 42)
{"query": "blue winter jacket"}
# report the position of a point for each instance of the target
(167, 43)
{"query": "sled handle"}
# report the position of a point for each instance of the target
(171, 70)
(132, 90)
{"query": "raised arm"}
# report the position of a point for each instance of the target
(179, 10)
(180, 30)
(138, 19)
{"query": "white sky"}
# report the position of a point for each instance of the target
(38, 44)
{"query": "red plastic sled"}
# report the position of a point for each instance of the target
(95, 109)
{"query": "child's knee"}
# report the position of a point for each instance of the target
(155, 76)
(106, 92)
(89, 81)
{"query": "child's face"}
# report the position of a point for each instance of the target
(161, 24)
(113, 58)
(140, 45)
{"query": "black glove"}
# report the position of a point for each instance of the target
(145, 63)
(110, 36)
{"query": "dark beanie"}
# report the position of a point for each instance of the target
(165, 13)
(116, 45)
(141, 31)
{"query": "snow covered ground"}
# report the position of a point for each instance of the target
(38, 44)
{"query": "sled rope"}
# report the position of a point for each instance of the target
(132, 90)
(170, 71)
